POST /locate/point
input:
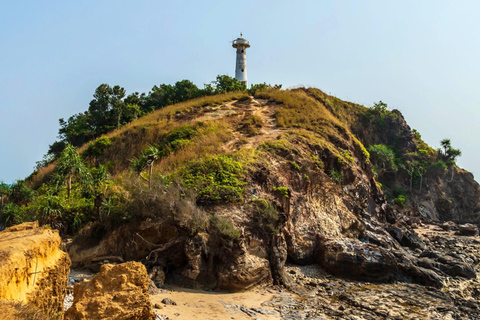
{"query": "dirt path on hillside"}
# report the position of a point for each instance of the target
(262, 109)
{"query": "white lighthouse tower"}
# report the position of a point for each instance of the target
(241, 66)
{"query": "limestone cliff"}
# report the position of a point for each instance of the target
(33, 269)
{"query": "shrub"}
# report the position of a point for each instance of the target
(97, 147)
(268, 214)
(224, 227)
(283, 192)
(319, 163)
(217, 178)
(400, 200)
(295, 165)
(336, 176)
(383, 158)
(250, 125)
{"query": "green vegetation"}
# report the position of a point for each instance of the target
(70, 166)
(448, 153)
(383, 159)
(111, 109)
(217, 178)
(401, 200)
(336, 176)
(224, 227)
(267, 214)
(283, 192)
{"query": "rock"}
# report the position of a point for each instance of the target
(157, 275)
(406, 237)
(467, 229)
(152, 288)
(116, 292)
(169, 302)
(449, 226)
(242, 273)
(33, 269)
(362, 261)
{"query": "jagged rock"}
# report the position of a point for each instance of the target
(362, 261)
(467, 229)
(116, 292)
(406, 237)
(453, 267)
(449, 226)
(33, 269)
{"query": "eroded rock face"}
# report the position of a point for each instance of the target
(116, 292)
(363, 261)
(33, 269)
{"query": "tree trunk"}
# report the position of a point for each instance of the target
(69, 186)
(150, 176)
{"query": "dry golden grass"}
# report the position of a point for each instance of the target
(41, 176)
(346, 112)
(21, 311)
(208, 143)
(300, 110)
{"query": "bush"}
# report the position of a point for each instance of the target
(401, 200)
(383, 158)
(336, 176)
(217, 178)
(267, 214)
(97, 148)
(283, 192)
(250, 125)
(224, 227)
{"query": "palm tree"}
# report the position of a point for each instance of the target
(146, 160)
(70, 165)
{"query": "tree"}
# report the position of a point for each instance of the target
(448, 153)
(76, 130)
(4, 192)
(421, 172)
(70, 165)
(97, 186)
(224, 84)
(106, 108)
(146, 160)
(383, 158)
(185, 90)
(410, 167)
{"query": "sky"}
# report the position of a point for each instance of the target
(420, 57)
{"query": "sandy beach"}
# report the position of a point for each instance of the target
(204, 305)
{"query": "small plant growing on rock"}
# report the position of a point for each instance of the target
(401, 200)
(336, 176)
(284, 192)
(224, 227)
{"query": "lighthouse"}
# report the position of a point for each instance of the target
(241, 66)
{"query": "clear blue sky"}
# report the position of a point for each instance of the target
(421, 57)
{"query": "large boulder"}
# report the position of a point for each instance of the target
(367, 262)
(33, 269)
(117, 292)
(467, 229)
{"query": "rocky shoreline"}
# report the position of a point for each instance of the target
(316, 294)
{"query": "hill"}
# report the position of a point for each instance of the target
(222, 191)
